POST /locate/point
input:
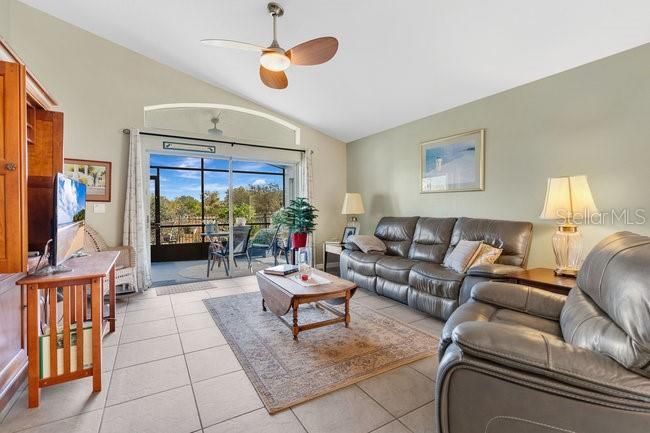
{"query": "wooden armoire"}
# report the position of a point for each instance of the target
(31, 153)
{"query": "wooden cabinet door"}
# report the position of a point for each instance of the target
(13, 166)
(45, 160)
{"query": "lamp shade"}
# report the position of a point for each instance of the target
(567, 196)
(352, 204)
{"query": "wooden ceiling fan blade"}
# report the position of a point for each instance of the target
(314, 52)
(272, 79)
(225, 43)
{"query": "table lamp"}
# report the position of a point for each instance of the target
(353, 205)
(566, 198)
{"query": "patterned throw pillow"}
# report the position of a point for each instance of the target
(486, 255)
(461, 257)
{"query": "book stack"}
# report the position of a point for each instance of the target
(281, 270)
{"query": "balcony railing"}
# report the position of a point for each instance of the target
(187, 230)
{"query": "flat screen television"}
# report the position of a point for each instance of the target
(68, 222)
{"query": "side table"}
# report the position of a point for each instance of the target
(331, 248)
(73, 310)
(544, 278)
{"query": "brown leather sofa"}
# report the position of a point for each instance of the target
(411, 271)
(517, 359)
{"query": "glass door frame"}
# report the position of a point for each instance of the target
(197, 250)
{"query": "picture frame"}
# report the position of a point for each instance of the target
(347, 232)
(96, 175)
(453, 164)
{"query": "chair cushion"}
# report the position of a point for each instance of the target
(512, 236)
(395, 269)
(587, 326)
(474, 311)
(363, 263)
(397, 234)
(431, 239)
(435, 279)
(609, 310)
(616, 276)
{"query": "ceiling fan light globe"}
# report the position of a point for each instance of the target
(274, 61)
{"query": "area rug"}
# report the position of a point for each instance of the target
(286, 372)
(199, 272)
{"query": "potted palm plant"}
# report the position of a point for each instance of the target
(301, 217)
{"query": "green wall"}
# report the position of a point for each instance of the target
(592, 120)
(4, 19)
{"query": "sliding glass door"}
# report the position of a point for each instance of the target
(193, 196)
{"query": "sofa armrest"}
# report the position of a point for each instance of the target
(496, 270)
(126, 259)
(517, 297)
(533, 352)
(472, 311)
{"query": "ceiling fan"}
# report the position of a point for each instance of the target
(214, 130)
(275, 60)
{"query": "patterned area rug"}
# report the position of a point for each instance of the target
(286, 372)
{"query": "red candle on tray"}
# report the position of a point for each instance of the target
(304, 277)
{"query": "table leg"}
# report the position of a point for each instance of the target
(111, 298)
(295, 320)
(33, 325)
(263, 305)
(96, 296)
(324, 258)
(347, 308)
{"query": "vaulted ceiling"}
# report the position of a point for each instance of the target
(397, 61)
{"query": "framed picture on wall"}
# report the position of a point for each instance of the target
(452, 164)
(96, 175)
(349, 231)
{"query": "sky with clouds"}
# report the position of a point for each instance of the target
(175, 183)
(71, 198)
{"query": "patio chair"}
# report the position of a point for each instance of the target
(282, 246)
(265, 243)
(241, 237)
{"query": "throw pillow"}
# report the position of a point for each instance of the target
(486, 255)
(367, 243)
(461, 257)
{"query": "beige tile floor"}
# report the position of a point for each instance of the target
(167, 368)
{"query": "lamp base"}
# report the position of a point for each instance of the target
(353, 221)
(566, 272)
(567, 246)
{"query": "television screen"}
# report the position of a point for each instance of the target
(70, 218)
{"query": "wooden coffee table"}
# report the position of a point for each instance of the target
(280, 294)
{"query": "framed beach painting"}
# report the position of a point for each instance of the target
(453, 163)
(96, 175)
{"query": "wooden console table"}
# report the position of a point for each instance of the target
(88, 273)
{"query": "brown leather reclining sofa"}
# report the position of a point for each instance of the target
(411, 270)
(517, 359)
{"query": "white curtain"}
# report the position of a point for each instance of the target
(305, 189)
(305, 181)
(135, 213)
